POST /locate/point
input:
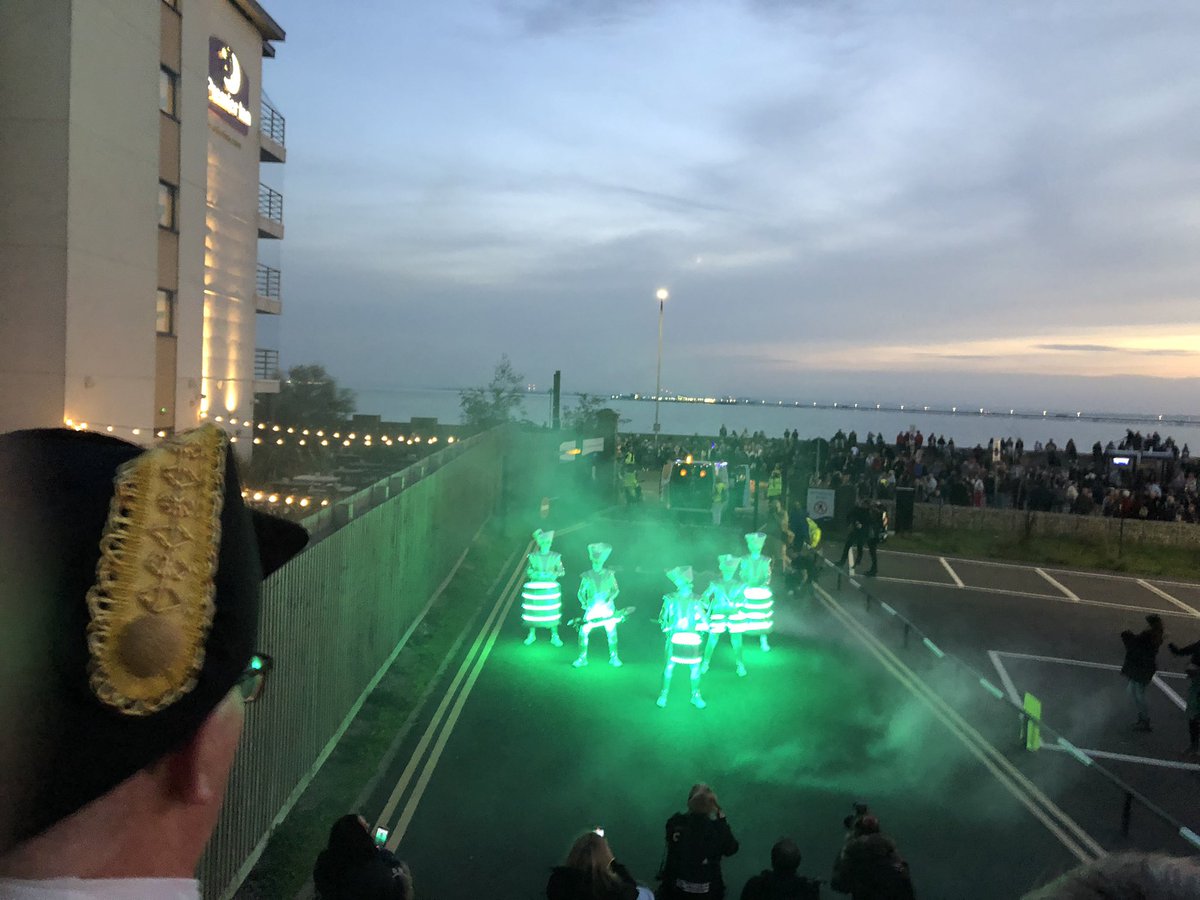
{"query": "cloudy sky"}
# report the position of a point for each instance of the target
(984, 202)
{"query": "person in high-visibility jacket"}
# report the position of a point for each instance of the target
(758, 603)
(775, 486)
(684, 620)
(723, 601)
(541, 596)
(598, 592)
(720, 493)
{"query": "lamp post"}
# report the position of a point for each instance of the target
(662, 294)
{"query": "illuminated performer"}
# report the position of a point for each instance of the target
(684, 621)
(758, 601)
(541, 597)
(598, 592)
(723, 601)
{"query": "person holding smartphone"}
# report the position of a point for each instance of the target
(355, 866)
(696, 842)
(591, 872)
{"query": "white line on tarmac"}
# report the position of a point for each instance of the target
(1157, 590)
(953, 574)
(1170, 692)
(1005, 678)
(1077, 662)
(1062, 587)
(1144, 760)
(1055, 597)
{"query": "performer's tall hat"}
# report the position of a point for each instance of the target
(728, 563)
(599, 553)
(543, 538)
(755, 541)
(681, 576)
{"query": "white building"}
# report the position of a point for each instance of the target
(131, 210)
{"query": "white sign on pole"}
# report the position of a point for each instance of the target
(821, 503)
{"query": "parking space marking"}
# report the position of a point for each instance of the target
(1062, 587)
(1077, 662)
(1170, 692)
(1005, 678)
(953, 574)
(1123, 757)
(1157, 590)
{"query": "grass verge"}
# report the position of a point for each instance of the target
(287, 861)
(1070, 552)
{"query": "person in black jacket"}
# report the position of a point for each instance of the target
(869, 866)
(1141, 662)
(352, 867)
(780, 882)
(866, 526)
(591, 873)
(1193, 696)
(696, 841)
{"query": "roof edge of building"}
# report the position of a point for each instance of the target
(260, 19)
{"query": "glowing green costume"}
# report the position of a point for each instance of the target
(541, 596)
(684, 620)
(758, 603)
(723, 602)
(598, 592)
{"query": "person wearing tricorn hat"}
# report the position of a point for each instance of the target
(1141, 662)
(684, 620)
(723, 604)
(598, 592)
(758, 602)
(132, 581)
(541, 597)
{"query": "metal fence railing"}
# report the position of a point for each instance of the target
(270, 203)
(333, 619)
(268, 283)
(271, 122)
(266, 364)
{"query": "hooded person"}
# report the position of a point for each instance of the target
(541, 596)
(353, 867)
(598, 591)
(758, 603)
(684, 621)
(132, 583)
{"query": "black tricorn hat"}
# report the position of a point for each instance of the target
(131, 583)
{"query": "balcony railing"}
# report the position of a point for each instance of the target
(272, 123)
(268, 282)
(266, 365)
(270, 204)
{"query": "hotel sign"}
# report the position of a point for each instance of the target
(228, 86)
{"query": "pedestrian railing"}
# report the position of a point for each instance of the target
(913, 636)
(270, 203)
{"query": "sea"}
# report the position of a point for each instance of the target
(965, 427)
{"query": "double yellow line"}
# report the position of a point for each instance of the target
(1061, 825)
(445, 717)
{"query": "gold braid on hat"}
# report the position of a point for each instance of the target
(151, 607)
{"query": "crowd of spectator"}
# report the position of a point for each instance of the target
(1148, 477)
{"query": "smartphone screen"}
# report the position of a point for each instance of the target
(599, 830)
(381, 836)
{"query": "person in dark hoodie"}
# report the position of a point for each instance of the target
(780, 882)
(1193, 695)
(352, 867)
(591, 872)
(696, 842)
(1141, 662)
(869, 867)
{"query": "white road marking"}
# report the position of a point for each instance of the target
(953, 574)
(1170, 692)
(1077, 662)
(1123, 757)
(1070, 593)
(1005, 678)
(1157, 590)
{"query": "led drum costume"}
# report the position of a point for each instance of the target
(684, 621)
(541, 597)
(723, 603)
(758, 602)
(598, 592)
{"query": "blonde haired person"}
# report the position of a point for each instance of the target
(591, 872)
(696, 842)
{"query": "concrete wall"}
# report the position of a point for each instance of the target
(929, 516)
(35, 68)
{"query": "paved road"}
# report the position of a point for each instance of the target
(522, 752)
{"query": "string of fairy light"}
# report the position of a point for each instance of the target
(268, 433)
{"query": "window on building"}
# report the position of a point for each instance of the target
(165, 309)
(166, 205)
(168, 90)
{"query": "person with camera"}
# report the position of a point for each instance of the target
(869, 867)
(866, 527)
(696, 842)
(353, 867)
(591, 872)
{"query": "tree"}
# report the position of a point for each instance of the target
(584, 416)
(309, 396)
(497, 402)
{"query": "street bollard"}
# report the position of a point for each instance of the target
(1126, 814)
(907, 628)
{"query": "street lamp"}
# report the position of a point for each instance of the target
(662, 294)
